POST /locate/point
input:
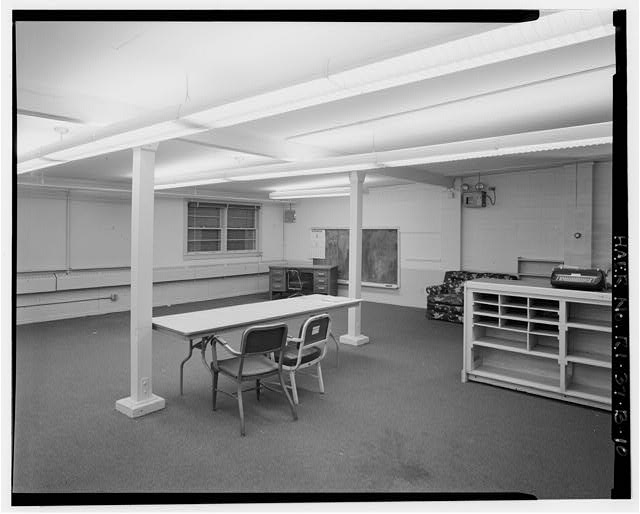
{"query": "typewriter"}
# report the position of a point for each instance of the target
(573, 277)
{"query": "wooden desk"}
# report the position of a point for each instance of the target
(199, 328)
(324, 278)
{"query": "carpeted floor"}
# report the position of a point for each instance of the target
(395, 418)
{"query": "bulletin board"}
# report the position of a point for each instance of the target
(380, 255)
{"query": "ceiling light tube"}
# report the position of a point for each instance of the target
(310, 193)
(191, 183)
(297, 170)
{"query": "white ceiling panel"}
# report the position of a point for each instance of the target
(91, 75)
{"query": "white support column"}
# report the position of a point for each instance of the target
(353, 336)
(451, 228)
(142, 400)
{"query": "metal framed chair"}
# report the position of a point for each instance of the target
(251, 364)
(306, 350)
(294, 283)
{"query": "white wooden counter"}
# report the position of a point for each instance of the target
(539, 339)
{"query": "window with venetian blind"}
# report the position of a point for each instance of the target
(221, 228)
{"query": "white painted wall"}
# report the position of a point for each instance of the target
(602, 213)
(97, 234)
(41, 231)
(435, 235)
(533, 218)
(417, 210)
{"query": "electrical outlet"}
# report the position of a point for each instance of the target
(113, 297)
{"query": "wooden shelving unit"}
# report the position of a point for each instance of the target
(539, 339)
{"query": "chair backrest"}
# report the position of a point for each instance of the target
(315, 329)
(294, 280)
(264, 338)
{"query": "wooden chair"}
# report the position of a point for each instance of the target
(306, 350)
(252, 364)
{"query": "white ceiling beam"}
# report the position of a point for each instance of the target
(544, 140)
(565, 28)
(417, 174)
(480, 85)
(238, 140)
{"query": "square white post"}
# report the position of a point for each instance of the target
(353, 335)
(142, 400)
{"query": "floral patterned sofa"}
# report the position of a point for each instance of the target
(446, 301)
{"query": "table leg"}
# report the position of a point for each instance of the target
(203, 348)
(185, 360)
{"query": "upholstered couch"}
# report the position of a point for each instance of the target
(446, 301)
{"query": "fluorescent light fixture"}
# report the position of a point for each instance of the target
(191, 183)
(294, 170)
(310, 193)
(335, 181)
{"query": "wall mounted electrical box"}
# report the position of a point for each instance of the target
(474, 199)
(289, 216)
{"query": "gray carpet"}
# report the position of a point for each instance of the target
(395, 418)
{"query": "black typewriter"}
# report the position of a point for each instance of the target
(573, 277)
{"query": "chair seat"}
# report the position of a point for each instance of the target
(290, 355)
(447, 298)
(253, 365)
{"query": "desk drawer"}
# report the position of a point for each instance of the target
(320, 288)
(277, 283)
(277, 273)
(320, 274)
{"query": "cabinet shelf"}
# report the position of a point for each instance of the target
(501, 344)
(544, 321)
(590, 392)
(485, 302)
(486, 298)
(518, 377)
(508, 345)
(493, 314)
(544, 351)
(515, 317)
(543, 304)
(513, 301)
(589, 324)
(513, 325)
(544, 315)
(539, 339)
(591, 358)
(487, 323)
(544, 331)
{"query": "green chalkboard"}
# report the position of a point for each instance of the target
(380, 254)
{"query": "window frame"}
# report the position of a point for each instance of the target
(224, 227)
